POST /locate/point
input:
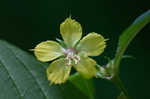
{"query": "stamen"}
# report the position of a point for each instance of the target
(71, 56)
(68, 62)
(76, 59)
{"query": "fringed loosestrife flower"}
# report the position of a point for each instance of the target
(75, 54)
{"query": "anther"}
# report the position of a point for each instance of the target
(71, 56)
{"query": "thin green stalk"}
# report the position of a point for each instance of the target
(119, 84)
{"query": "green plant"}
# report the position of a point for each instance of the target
(23, 77)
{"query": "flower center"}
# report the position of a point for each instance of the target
(71, 56)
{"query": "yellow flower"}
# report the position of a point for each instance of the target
(75, 54)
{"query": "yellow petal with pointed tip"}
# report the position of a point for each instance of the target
(92, 45)
(86, 67)
(48, 50)
(58, 72)
(71, 31)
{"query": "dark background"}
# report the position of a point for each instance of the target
(25, 23)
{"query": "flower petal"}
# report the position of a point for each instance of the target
(92, 45)
(86, 67)
(71, 31)
(48, 50)
(58, 72)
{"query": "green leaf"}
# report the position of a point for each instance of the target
(128, 35)
(122, 96)
(23, 77)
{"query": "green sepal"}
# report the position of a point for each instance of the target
(61, 42)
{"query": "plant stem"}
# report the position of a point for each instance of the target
(116, 80)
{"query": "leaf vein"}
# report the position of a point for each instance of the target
(12, 79)
(29, 72)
